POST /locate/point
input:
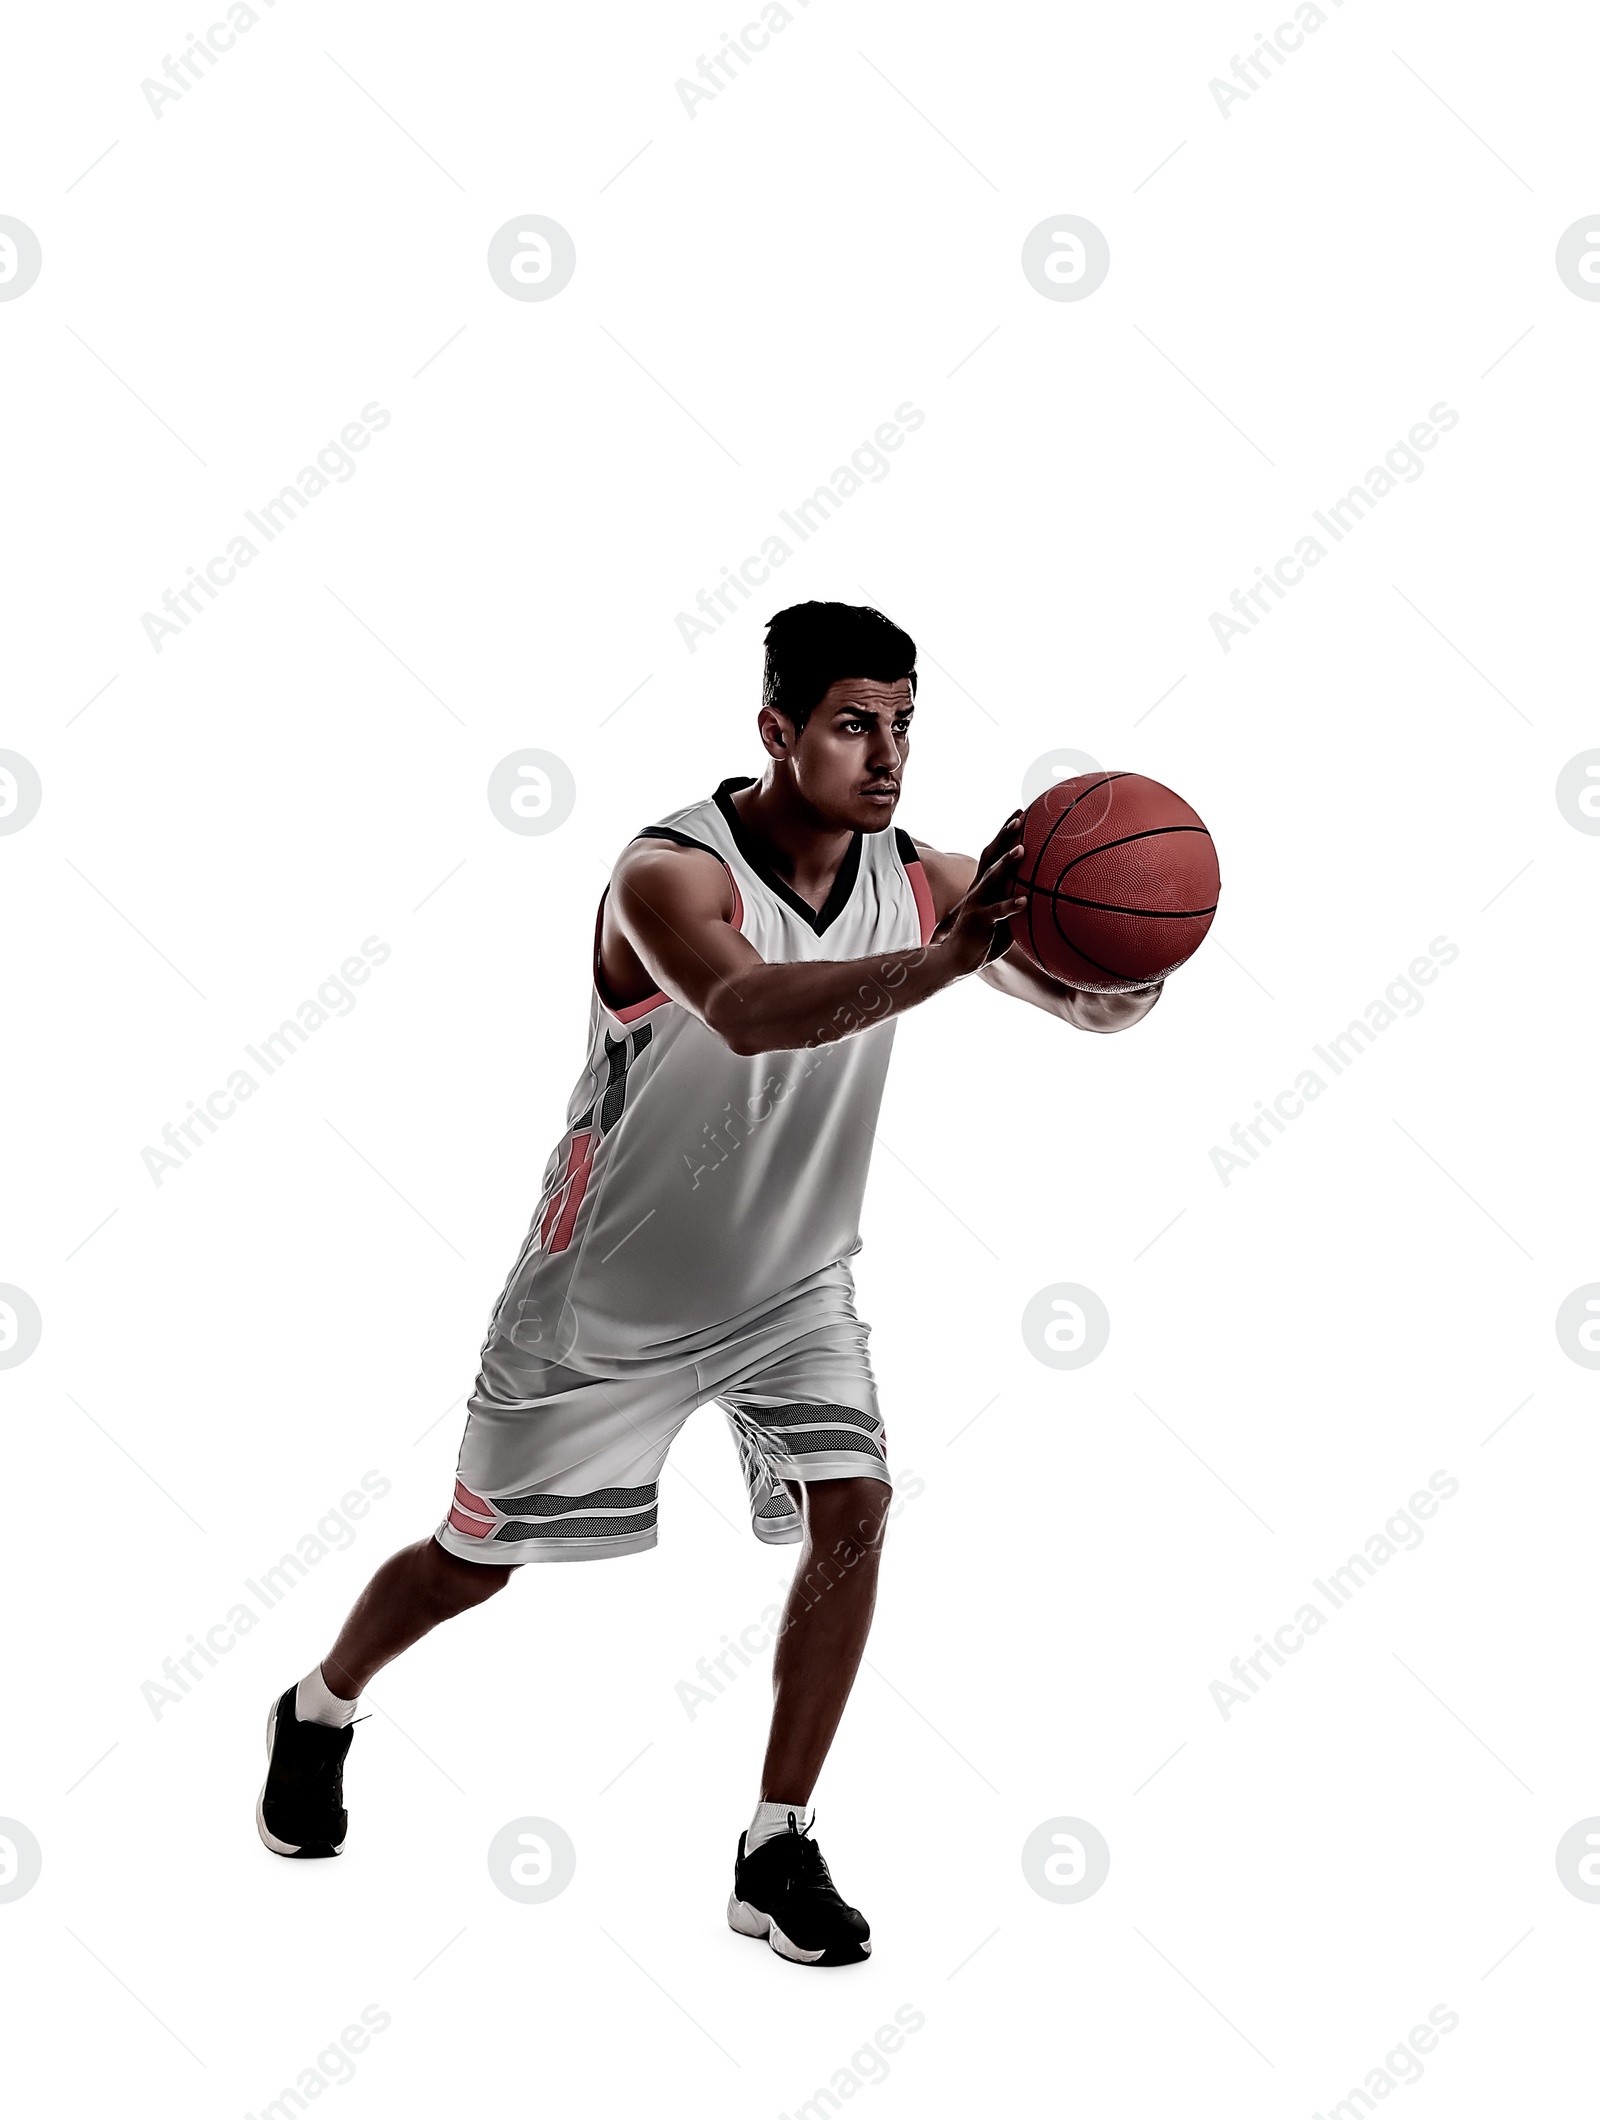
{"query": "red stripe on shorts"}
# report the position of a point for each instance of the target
(470, 1513)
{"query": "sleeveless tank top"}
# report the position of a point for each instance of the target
(692, 1185)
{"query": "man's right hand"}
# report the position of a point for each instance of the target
(974, 930)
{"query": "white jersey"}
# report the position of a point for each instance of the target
(692, 1185)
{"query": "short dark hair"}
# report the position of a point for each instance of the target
(812, 646)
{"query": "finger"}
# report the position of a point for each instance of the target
(1006, 833)
(1006, 847)
(1009, 830)
(996, 870)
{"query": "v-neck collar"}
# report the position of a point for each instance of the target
(844, 882)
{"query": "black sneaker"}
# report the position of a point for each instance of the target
(300, 1810)
(783, 1892)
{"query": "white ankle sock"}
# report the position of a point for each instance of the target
(315, 1701)
(771, 1819)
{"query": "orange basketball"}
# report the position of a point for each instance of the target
(1121, 879)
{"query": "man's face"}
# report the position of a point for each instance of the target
(851, 754)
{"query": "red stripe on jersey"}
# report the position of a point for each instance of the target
(917, 876)
(470, 1526)
(553, 1208)
(634, 1009)
(466, 1499)
(579, 1159)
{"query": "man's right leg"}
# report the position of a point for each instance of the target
(569, 1472)
(301, 1808)
(411, 1593)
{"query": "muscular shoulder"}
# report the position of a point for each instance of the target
(661, 874)
(949, 875)
(659, 894)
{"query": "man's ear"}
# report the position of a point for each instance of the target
(776, 734)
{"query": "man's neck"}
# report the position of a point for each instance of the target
(806, 853)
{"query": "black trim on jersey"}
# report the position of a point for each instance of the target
(755, 857)
(906, 847)
(620, 1056)
(679, 839)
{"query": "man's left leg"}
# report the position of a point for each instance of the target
(824, 1628)
(782, 1890)
(803, 1406)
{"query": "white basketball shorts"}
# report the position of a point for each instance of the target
(573, 1474)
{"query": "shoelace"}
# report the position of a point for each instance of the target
(810, 1865)
(326, 1761)
(327, 1771)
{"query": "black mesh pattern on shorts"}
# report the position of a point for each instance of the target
(808, 1410)
(560, 1504)
(780, 1505)
(582, 1527)
(809, 1442)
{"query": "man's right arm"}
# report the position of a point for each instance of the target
(675, 905)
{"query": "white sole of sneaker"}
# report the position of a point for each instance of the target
(268, 1839)
(746, 1920)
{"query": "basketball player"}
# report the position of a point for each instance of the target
(693, 1236)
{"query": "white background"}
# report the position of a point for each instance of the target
(302, 1301)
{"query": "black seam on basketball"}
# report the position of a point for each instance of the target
(1134, 912)
(1033, 880)
(1084, 793)
(1111, 972)
(1127, 978)
(1160, 831)
(1065, 814)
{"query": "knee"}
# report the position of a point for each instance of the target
(847, 1517)
(458, 1585)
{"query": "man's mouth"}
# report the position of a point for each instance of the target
(883, 792)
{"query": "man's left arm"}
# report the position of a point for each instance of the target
(1014, 975)
(950, 877)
